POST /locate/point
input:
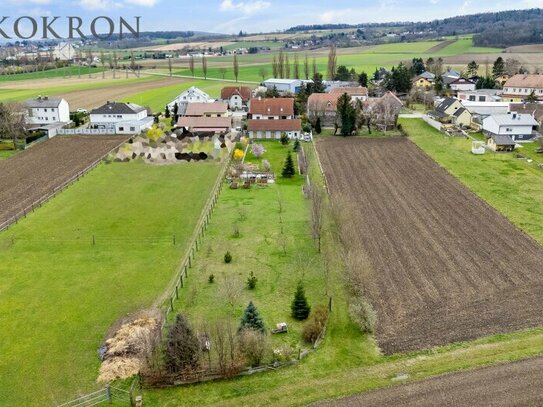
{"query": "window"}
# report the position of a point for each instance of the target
(132, 129)
(508, 129)
(121, 128)
(119, 116)
(472, 98)
(45, 110)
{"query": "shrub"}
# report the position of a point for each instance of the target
(300, 308)
(211, 278)
(251, 319)
(258, 150)
(182, 347)
(254, 346)
(296, 146)
(284, 139)
(266, 166)
(251, 281)
(238, 154)
(362, 314)
(236, 232)
(314, 327)
(227, 257)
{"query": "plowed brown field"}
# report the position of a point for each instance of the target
(448, 267)
(35, 173)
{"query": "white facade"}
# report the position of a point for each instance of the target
(103, 119)
(64, 52)
(462, 86)
(235, 102)
(120, 118)
(273, 134)
(191, 95)
(44, 111)
(518, 126)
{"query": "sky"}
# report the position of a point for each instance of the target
(231, 16)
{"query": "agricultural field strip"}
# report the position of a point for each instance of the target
(503, 384)
(33, 175)
(417, 306)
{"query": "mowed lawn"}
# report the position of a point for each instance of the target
(512, 186)
(59, 293)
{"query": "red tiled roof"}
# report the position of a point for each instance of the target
(322, 102)
(204, 122)
(525, 81)
(272, 107)
(201, 109)
(243, 91)
(274, 125)
(351, 91)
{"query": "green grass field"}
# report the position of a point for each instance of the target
(347, 362)
(514, 187)
(258, 249)
(58, 73)
(59, 293)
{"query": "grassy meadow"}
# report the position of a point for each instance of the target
(512, 186)
(60, 293)
(58, 73)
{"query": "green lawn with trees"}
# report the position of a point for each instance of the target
(61, 292)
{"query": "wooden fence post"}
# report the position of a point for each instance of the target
(171, 303)
(181, 280)
(108, 394)
(176, 292)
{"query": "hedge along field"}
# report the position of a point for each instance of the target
(58, 73)
(60, 293)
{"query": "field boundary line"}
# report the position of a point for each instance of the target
(320, 167)
(39, 202)
(171, 292)
(199, 77)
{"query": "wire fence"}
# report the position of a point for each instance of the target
(59, 188)
(171, 294)
(107, 394)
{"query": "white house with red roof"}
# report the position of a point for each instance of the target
(272, 117)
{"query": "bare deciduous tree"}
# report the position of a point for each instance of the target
(204, 66)
(222, 72)
(191, 65)
(263, 72)
(12, 122)
(236, 67)
(306, 67)
(230, 292)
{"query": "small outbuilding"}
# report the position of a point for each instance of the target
(501, 143)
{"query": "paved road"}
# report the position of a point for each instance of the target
(511, 384)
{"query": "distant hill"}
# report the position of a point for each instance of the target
(499, 29)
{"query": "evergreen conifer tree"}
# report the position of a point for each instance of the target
(288, 169)
(251, 319)
(300, 308)
(182, 347)
(318, 128)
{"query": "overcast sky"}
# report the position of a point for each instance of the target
(230, 16)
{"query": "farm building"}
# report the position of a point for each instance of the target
(501, 143)
(323, 106)
(519, 87)
(355, 92)
(237, 97)
(214, 109)
(272, 129)
(519, 127)
(205, 124)
(46, 110)
(271, 109)
(284, 86)
(64, 51)
(121, 118)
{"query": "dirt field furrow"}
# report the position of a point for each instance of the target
(35, 173)
(447, 266)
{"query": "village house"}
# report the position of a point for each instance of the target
(519, 87)
(355, 92)
(424, 81)
(121, 118)
(237, 97)
(518, 126)
(534, 109)
(451, 110)
(217, 124)
(214, 109)
(191, 95)
(479, 95)
(64, 51)
(502, 79)
(323, 106)
(462, 84)
(47, 110)
(269, 118)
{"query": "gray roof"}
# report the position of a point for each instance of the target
(514, 119)
(427, 75)
(447, 102)
(118, 108)
(43, 102)
(459, 111)
(502, 140)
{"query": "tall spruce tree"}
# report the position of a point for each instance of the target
(300, 307)
(182, 347)
(251, 319)
(288, 169)
(346, 114)
(318, 127)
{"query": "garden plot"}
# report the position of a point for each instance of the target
(447, 266)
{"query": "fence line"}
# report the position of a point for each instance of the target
(64, 185)
(104, 395)
(171, 294)
(325, 181)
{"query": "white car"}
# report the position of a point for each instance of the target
(81, 110)
(306, 137)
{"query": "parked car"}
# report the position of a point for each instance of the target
(307, 137)
(81, 110)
